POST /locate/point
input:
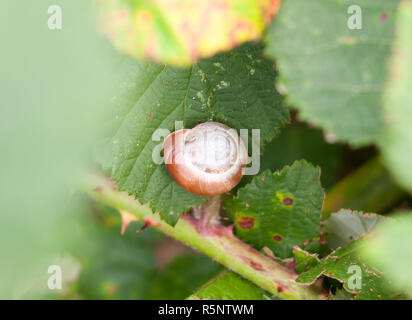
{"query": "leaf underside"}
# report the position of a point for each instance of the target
(346, 226)
(396, 139)
(333, 74)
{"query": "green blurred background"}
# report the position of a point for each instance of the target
(54, 85)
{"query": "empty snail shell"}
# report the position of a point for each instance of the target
(207, 160)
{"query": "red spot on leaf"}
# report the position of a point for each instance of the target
(245, 222)
(149, 114)
(277, 238)
(383, 17)
(288, 201)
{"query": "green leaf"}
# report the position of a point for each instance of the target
(389, 250)
(338, 266)
(334, 75)
(235, 88)
(183, 275)
(304, 260)
(345, 226)
(179, 32)
(279, 210)
(396, 139)
(230, 286)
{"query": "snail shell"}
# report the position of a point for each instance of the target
(207, 160)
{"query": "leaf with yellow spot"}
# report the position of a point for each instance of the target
(279, 210)
(179, 32)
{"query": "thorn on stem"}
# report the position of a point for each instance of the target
(127, 218)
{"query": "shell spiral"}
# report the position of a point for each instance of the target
(206, 160)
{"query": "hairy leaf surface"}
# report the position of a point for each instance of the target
(332, 73)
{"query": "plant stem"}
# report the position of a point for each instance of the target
(216, 241)
(209, 212)
(369, 188)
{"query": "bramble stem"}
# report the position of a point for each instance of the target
(216, 241)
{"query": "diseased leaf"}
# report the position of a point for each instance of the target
(179, 32)
(343, 265)
(230, 286)
(346, 226)
(396, 140)
(279, 210)
(333, 74)
(235, 88)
